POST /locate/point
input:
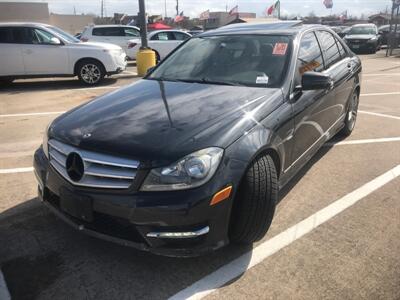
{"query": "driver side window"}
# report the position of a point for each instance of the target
(38, 36)
(309, 58)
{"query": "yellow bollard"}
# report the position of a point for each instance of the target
(145, 59)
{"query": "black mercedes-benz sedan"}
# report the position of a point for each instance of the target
(193, 156)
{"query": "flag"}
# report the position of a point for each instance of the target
(234, 11)
(270, 10)
(205, 15)
(328, 3)
(179, 18)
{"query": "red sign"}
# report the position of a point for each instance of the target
(280, 49)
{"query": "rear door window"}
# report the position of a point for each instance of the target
(13, 35)
(108, 31)
(330, 48)
(342, 51)
(163, 36)
(6, 35)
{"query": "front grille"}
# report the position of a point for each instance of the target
(100, 170)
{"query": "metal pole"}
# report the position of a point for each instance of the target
(177, 7)
(165, 9)
(143, 24)
(102, 6)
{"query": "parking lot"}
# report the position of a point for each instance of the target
(349, 249)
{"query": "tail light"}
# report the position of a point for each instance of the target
(84, 39)
(132, 45)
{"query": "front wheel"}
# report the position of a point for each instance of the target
(90, 72)
(254, 204)
(351, 115)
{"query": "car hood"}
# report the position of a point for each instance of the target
(97, 45)
(360, 36)
(160, 121)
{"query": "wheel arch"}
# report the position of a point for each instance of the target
(87, 59)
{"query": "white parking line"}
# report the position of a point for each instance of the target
(366, 141)
(218, 278)
(380, 94)
(381, 74)
(16, 170)
(98, 88)
(33, 114)
(378, 114)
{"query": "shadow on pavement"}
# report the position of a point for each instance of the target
(41, 257)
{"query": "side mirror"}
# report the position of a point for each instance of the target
(316, 81)
(149, 70)
(380, 32)
(55, 41)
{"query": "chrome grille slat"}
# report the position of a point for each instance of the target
(101, 170)
(58, 157)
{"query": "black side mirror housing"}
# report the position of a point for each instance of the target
(316, 81)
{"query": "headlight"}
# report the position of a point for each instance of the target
(373, 39)
(191, 171)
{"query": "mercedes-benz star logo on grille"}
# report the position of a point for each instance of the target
(75, 167)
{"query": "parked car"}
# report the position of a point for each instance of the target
(161, 41)
(363, 37)
(114, 34)
(193, 156)
(344, 30)
(38, 50)
(384, 33)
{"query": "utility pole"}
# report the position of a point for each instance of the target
(102, 8)
(165, 9)
(177, 7)
(143, 24)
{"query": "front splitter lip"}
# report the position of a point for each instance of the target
(140, 246)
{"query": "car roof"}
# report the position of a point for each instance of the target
(166, 30)
(364, 25)
(21, 24)
(279, 28)
(112, 25)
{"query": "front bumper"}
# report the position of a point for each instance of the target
(136, 219)
(362, 45)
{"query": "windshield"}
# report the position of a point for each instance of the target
(362, 30)
(249, 60)
(64, 35)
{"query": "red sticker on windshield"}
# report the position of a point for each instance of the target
(280, 49)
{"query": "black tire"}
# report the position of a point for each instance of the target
(6, 81)
(254, 204)
(351, 115)
(90, 72)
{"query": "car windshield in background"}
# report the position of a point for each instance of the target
(249, 60)
(362, 30)
(66, 36)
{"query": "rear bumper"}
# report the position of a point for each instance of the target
(135, 219)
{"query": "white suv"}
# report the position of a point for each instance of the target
(114, 34)
(161, 41)
(38, 50)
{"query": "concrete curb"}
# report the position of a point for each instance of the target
(4, 293)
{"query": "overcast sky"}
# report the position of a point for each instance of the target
(193, 8)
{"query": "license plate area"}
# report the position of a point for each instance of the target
(76, 205)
